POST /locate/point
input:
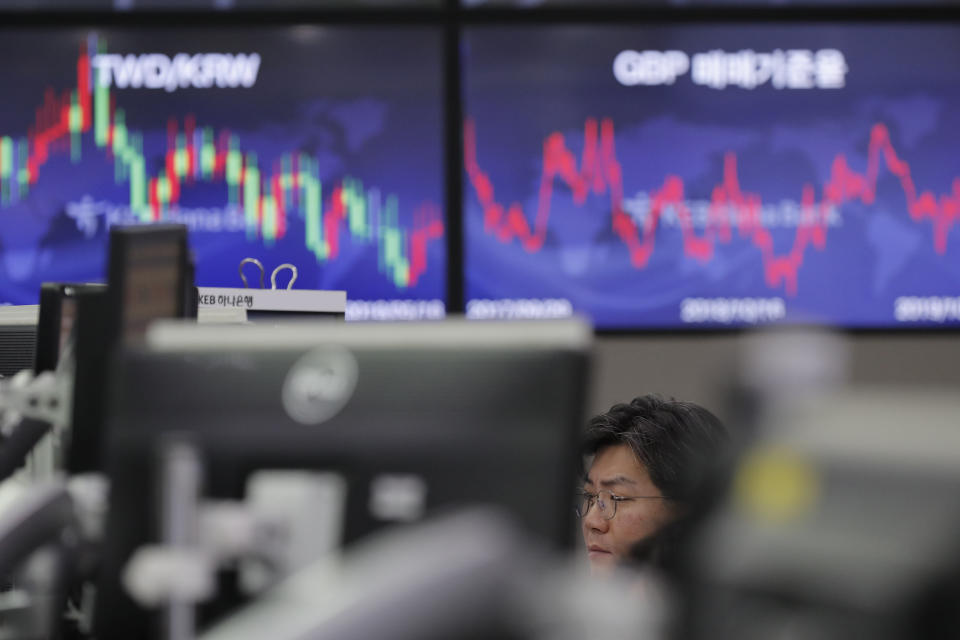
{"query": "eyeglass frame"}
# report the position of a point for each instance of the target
(594, 498)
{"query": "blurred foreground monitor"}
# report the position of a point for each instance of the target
(842, 515)
(415, 419)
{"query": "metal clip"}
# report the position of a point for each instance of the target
(259, 266)
(293, 277)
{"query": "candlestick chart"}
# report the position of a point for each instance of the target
(688, 202)
(257, 152)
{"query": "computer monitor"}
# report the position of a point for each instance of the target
(147, 276)
(472, 412)
(18, 336)
(147, 280)
(90, 351)
(56, 320)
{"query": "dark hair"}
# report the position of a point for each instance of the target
(676, 442)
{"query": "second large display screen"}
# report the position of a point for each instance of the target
(705, 176)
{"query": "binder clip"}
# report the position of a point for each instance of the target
(273, 274)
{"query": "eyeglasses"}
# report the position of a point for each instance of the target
(606, 501)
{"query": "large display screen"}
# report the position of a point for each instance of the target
(702, 176)
(208, 5)
(685, 4)
(316, 146)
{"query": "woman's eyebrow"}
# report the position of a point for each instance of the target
(617, 480)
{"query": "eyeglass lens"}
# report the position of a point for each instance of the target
(606, 504)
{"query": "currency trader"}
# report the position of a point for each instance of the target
(646, 463)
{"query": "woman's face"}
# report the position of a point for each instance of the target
(616, 472)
